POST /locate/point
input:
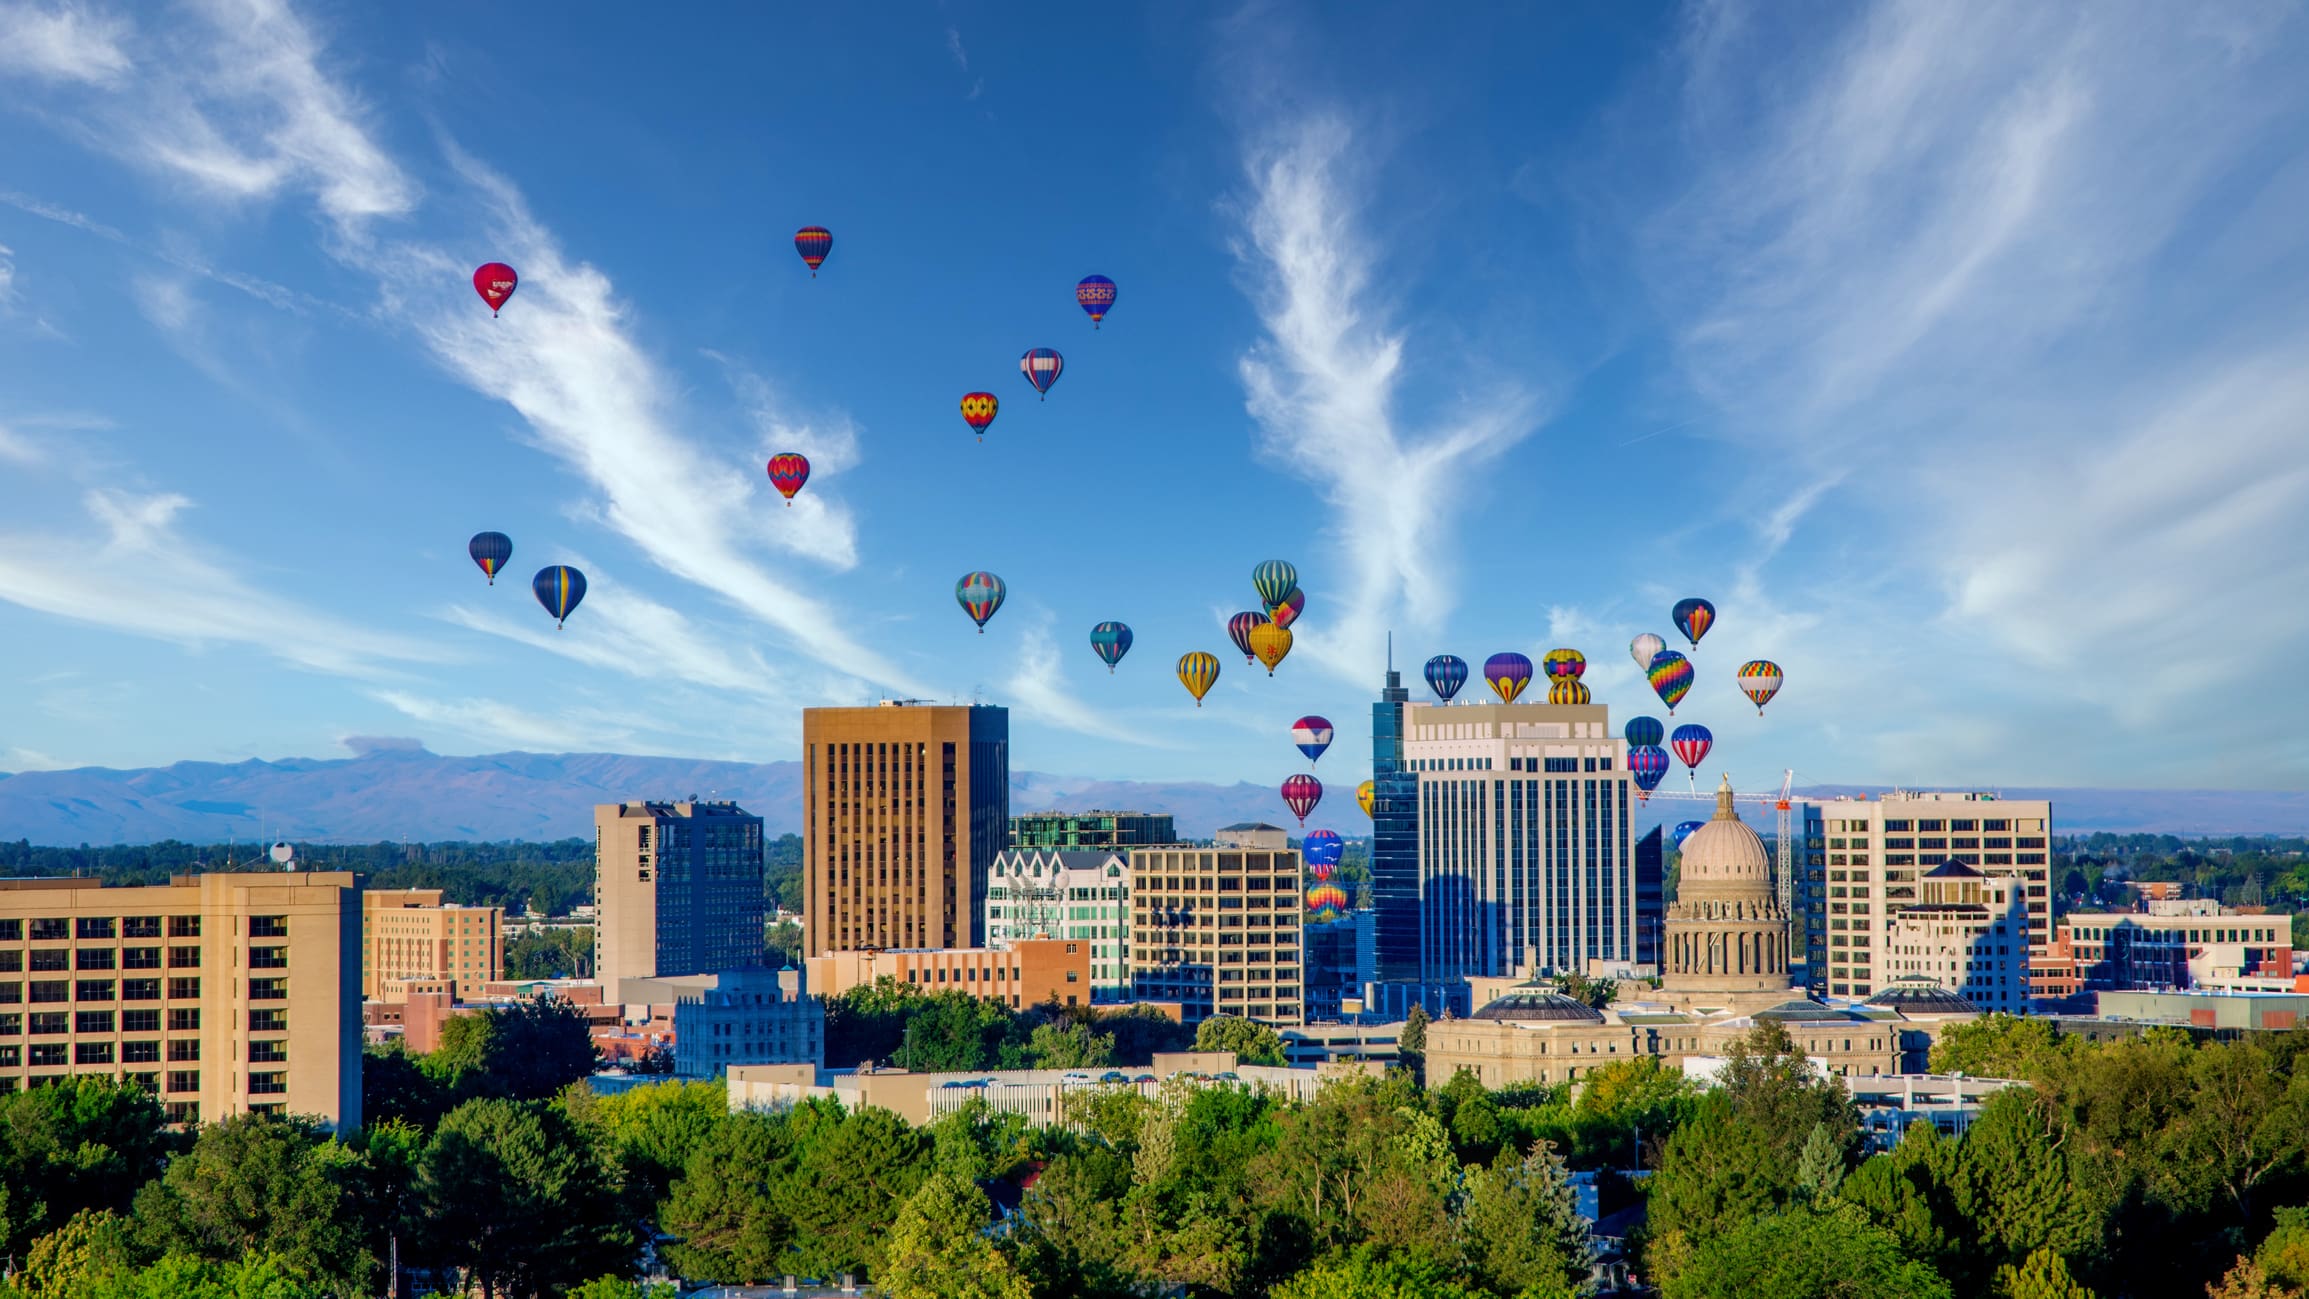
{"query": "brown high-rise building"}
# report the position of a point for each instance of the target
(677, 890)
(904, 807)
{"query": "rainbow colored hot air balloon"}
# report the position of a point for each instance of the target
(1270, 643)
(1323, 849)
(1301, 793)
(1445, 674)
(1643, 647)
(978, 410)
(490, 550)
(1095, 294)
(1641, 731)
(1111, 640)
(1648, 764)
(1508, 672)
(1312, 735)
(1239, 631)
(1198, 672)
(813, 243)
(558, 588)
(1682, 832)
(1693, 618)
(788, 471)
(1274, 581)
(979, 594)
(1042, 366)
(1325, 903)
(1365, 793)
(1671, 678)
(1760, 680)
(1288, 609)
(1691, 743)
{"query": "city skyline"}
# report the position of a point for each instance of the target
(1965, 394)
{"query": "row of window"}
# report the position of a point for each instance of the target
(45, 929)
(147, 1051)
(47, 960)
(13, 992)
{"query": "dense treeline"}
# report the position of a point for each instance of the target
(950, 1031)
(2241, 870)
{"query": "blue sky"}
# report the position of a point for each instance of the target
(1955, 353)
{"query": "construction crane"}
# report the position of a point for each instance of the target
(1783, 804)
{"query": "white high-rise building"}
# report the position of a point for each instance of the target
(1524, 838)
(1055, 893)
(1968, 932)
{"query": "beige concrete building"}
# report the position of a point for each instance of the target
(225, 993)
(411, 934)
(1968, 932)
(1217, 929)
(1027, 972)
(904, 807)
(677, 890)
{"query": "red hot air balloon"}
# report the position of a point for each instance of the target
(495, 282)
(788, 471)
(1300, 794)
(813, 243)
(978, 410)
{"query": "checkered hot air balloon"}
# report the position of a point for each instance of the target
(1759, 681)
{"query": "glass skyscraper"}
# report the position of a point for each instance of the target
(1394, 839)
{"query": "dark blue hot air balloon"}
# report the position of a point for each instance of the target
(1323, 848)
(558, 588)
(491, 549)
(1445, 674)
(1645, 730)
(1682, 832)
(1112, 641)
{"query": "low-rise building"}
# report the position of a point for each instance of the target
(1028, 972)
(2207, 1009)
(2178, 944)
(1049, 893)
(413, 934)
(1967, 932)
(739, 1017)
(1217, 929)
(1890, 1105)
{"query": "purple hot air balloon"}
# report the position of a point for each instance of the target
(1445, 674)
(1508, 672)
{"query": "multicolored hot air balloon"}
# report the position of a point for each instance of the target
(1682, 832)
(495, 282)
(813, 243)
(1641, 731)
(1300, 794)
(558, 588)
(1270, 643)
(1312, 735)
(1760, 680)
(1111, 640)
(1569, 690)
(1198, 672)
(1042, 366)
(1322, 870)
(1693, 618)
(1274, 580)
(1648, 763)
(788, 471)
(1691, 743)
(1364, 793)
(978, 410)
(1287, 610)
(1671, 678)
(1564, 663)
(1508, 672)
(1323, 849)
(1095, 294)
(1445, 674)
(490, 550)
(1643, 647)
(1325, 903)
(1239, 631)
(979, 594)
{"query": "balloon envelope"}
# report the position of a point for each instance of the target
(1569, 690)
(1111, 640)
(979, 594)
(813, 243)
(1270, 643)
(1041, 366)
(1692, 742)
(490, 550)
(1287, 610)
(1643, 647)
(1239, 631)
(1645, 730)
(1564, 663)
(1693, 618)
(1445, 674)
(1759, 681)
(558, 588)
(1671, 678)
(1095, 294)
(1323, 848)
(1649, 765)
(1364, 793)
(495, 282)
(1301, 793)
(1683, 831)
(1274, 580)
(788, 471)
(1197, 672)
(1312, 735)
(978, 410)
(1508, 672)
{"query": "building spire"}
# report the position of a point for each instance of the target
(1724, 810)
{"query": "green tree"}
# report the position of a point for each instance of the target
(2284, 1252)
(1718, 1173)
(396, 1086)
(1069, 1045)
(724, 1208)
(182, 1276)
(2043, 1275)
(851, 1172)
(2021, 1185)
(611, 1287)
(255, 1184)
(1804, 1254)
(2000, 1046)
(72, 1259)
(938, 1249)
(521, 1200)
(79, 1144)
(1411, 1044)
(649, 1131)
(1520, 1232)
(1251, 1043)
(1369, 1273)
(561, 952)
(1820, 1167)
(1910, 1192)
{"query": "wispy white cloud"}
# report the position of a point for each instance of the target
(954, 48)
(625, 632)
(1324, 385)
(1038, 690)
(494, 722)
(67, 42)
(815, 523)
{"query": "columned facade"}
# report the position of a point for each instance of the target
(1727, 934)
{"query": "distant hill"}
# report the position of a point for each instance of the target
(395, 789)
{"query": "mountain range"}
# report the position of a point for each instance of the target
(395, 789)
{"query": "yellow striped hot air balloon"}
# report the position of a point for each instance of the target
(1198, 672)
(1270, 643)
(1364, 794)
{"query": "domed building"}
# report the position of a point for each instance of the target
(1727, 934)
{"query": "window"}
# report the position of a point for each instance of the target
(140, 989)
(51, 1023)
(51, 990)
(184, 1080)
(92, 1021)
(268, 1021)
(268, 926)
(51, 929)
(93, 990)
(269, 1052)
(185, 1111)
(11, 1056)
(94, 927)
(11, 959)
(11, 931)
(184, 989)
(95, 958)
(140, 958)
(268, 990)
(183, 1019)
(48, 1054)
(140, 1052)
(140, 1021)
(92, 1053)
(11, 992)
(184, 926)
(51, 961)
(184, 1048)
(140, 926)
(268, 958)
(11, 1025)
(184, 958)
(268, 1084)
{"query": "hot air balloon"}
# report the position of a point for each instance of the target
(1508, 672)
(558, 588)
(1648, 763)
(1274, 580)
(788, 471)
(979, 594)
(1683, 831)
(1312, 735)
(1569, 690)
(1270, 643)
(1644, 730)
(1760, 680)
(490, 550)
(978, 411)
(495, 282)
(1239, 630)
(1112, 641)
(1287, 610)
(1445, 674)
(1671, 678)
(1323, 849)
(1300, 794)
(1041, 366)
(1322, 870)
(1693, 618)
(1197, 672)
(1364, 793)
(813, 243)
(1325, 902)
(1561, 663)
(1691, 743)
(1643, 647)
(1095, 294)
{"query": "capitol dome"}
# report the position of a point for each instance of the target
(1727, 933)
(1724, 859)
(1532, 1003)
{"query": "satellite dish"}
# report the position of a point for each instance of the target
(282, 854)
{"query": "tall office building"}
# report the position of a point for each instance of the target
(904, 807)
(1876, 852)
(413, 934)
(677, 890)
(1524, 841)
(1651, 898)
(1091, 831)
(1394, 839)
(226, 993)
(1217, 929)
